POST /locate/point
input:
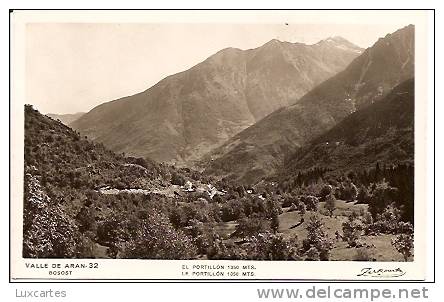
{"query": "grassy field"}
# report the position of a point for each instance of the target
(380, 248)
(290, 224)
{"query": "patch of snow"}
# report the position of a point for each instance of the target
(343, 47)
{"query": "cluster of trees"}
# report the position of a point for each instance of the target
(153, 226)
(261, 242)
(65, 216)
(388, 222)
(395, 181)
(357, 184)
(48, 231)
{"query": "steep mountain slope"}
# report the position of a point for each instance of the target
(66, 118)
(382, 132)
(60, 156)
(187, 114)
(259, 149)
(66, 215)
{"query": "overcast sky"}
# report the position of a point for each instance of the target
(75, 67)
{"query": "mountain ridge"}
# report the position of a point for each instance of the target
(187, 114)
(381, 132)
(258, 150)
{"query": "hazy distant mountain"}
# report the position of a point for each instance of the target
(190, 113)
(258, 150)
(381, 132)
(66, 118)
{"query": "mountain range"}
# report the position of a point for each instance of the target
(382, 132)
(262, 148)
(188, 114)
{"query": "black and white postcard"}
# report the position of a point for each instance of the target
(219, 145)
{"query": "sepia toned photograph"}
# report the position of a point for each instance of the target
(241, 141)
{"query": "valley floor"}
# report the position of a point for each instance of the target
(378, 248)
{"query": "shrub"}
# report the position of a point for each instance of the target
(85, 246)
(182, 216)
(214, 212)
(317, 238)
(52, 234)
(225, 251)
(382, 196)
(156, 238)
(269, 246)
(404, 244)
(347, 191)
(405, 227)
(232, 210)
(351, 231)
(204, 236)
(48, 232)
(86, 219)
(302, 209)
(178, 217)
(311, 202)
(367, 218)
(390, 218)
(326, 190)
(274, 222)
(112, 230)
(289, 200)
(273, 207)
(251, 226)
(388, 222)
(218, 199)
(363, 195)
(177, 179)
(330, 204)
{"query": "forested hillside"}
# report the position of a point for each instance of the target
(84, 201)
